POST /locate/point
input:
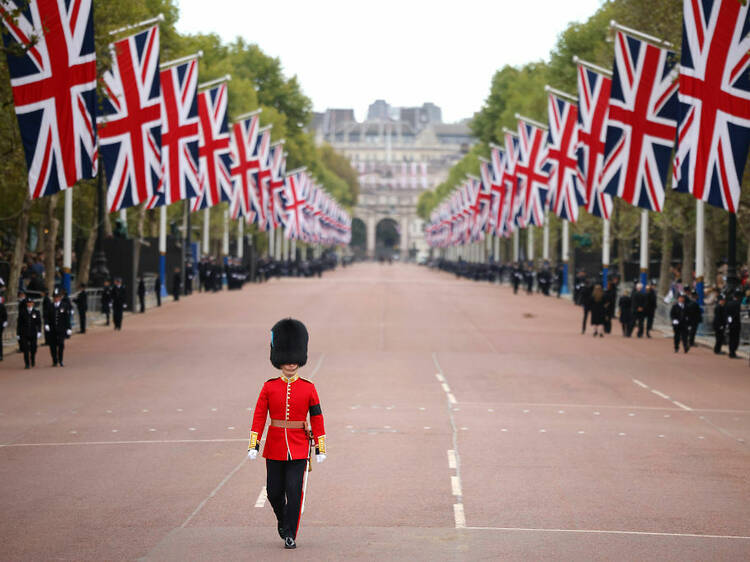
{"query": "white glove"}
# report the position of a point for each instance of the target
(675, 322)
(38, 335)
(729, 320)
(5, 324)
(68, 332)
(252, 454)
(18, 338)
(124, 305)
(320, 458)
(46, 327)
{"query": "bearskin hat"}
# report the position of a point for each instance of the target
(288, 343)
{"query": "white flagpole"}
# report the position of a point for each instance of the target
(240, 237)
(285, 242)
(163, 249)
(496, 250)
(271, 244)
(225, 236)
(279, 243)
(644, 247)
(700, 232)
(67, 239)
(206, 226)
(565, 241)
(545, 246)
(530, 243)
(605, 251)
(516, 245)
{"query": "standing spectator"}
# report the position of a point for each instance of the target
(3, 323)
(176, 284)
(119, 302)
(28, 331)
(650, 308)
(733, 323)
(58, 328)
(598, 310)
(640, 308)
(626, 314)
(189, 278)
(142, 294)
(106, 300)
(517, 275)
(610, 303)
(157, 289)
(584, 299)
(82, 303)
(680, 323)
(695, 317)
(720, 323)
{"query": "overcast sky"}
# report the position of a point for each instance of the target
(347, 53)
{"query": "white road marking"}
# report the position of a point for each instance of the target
(504, 429)
(213, 492)
(526, 411)
(114, 431)
(144, 411)
(542, 431)
(456, 485)
(490, 409)
(422, 409)
(451, 398)
(597, 413)
(191, 429)
(631, 414)
(602, 531)
(660, 394)
(214, 409)
(459, 515)
(74, 432)
(661, 435)
(261, 501)
(621, 434)
(639, 383)
(137, 442)
(231, 427)
(580, 432)
(427, 427)
(560, 411)
(152, 429)
(681, 405)
(439, 377)
(464, 428)
(446, 388)
(451, 458)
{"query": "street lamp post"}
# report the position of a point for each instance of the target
(99, 270)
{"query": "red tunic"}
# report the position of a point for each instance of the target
(290, 400)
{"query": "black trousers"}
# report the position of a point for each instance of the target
(117, 319)
(284, 481)
(692, 331)
(718, 340)
(734, 338)
(106, 315)
(1, 340)
(639, 318)
(142, 301)
(56, 348)
(158, 296)
(585, 317)
(681, 335)
(649, 323)
(515, 286)
(82, 320)
(28, 346)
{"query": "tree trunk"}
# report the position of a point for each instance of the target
(666, 259)
(107, 221)
(688, 258)
(84, 263)
(22, 234)
(139, 238)
(52, 225)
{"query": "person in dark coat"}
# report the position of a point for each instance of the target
(650, 309)
(528, 278)
(57, 325)
(680, 323)
(176, 284)
(734, 326)
(695, 316)
(82, 304)
(516, 277)
(106, 300)
(142, 294)
(626, 314)
(610, 304)
(3, 323)
(720, 322)
(119, 302)
(640, 308)
(157, 289)
(28, 331)
(46, 313)
(189, 278)
(584, 299)
(559, 279)
(598, 310)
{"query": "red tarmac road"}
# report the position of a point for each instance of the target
(463, 422)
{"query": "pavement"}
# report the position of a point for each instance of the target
(463, 423)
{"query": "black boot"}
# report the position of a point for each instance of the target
(289, 543)
(282, 531)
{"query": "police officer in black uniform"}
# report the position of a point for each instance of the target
(82, 303)
(57, 327)
(106, 300)
(176, 284)
(695, 316)
(650, 309)
(3, 323)
(119, 302)
(733, 323)
(142, 294)
(680, 323)
(28, 331)
(720, 322)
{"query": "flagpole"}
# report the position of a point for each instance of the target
(516, 245)
(240, 237)
(644, 247)
(277, 235)
(225, 236)
(564, 290)
(175, 62)
(530, 243)
(206, 226)
(700, 232)
(591, 66)
(271, 244)
(293, 248)
(157, 19)
(163, 249)
(640, 35)
(605, 252)
(211, 83)
(285, 242)
(67, 239)
(545, 246)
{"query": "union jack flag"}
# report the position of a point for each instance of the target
(213, 149)
(641, 123)
(498, 190)
(130, 125)
(278, 173)
(54, 89)
(532, 172)
(714, 101)
(593, 103)
(244, 136)
(510, 180)
(564, 193)
(260, 196)
(179, 135)
(293, 204)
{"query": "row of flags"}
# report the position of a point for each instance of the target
(621, 134)
(161, 138)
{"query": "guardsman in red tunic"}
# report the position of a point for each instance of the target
(288, 399)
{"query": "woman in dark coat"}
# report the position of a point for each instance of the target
(626, 314)
(597, 310)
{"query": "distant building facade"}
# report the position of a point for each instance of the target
(397, 158)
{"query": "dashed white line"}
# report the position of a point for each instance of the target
(613, 532)
(660, 394)
(459, 515)
(451, 458)
(681, 405)
(439, 377)
(639, 383)
(261, 501)
(213, 493)
(451, 398)
(456, 485)
(446, 388)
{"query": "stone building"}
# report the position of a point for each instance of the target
(397, 158)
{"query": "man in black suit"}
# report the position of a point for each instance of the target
(28, 331)
(720, 322)
(82, 303)
(119, 302)
(640, 308)
(734, 326)
(680, 323)
(3, 323)
(695, 317)
(57, 327)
